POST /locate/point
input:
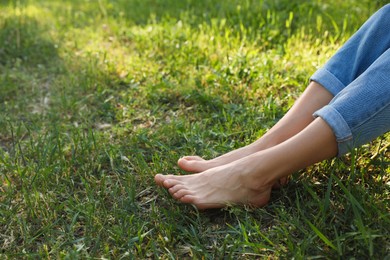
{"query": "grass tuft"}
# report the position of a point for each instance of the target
(96, 97)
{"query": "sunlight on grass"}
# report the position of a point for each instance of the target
(99, 96)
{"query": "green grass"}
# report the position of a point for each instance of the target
(96, 97)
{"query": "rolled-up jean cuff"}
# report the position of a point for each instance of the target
(339, 127)
(328, 81)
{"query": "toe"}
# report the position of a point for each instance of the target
(176, 188)
(191, 158)
(191, 163)
(169, 183)
(181, 193)
(159, 179)
(189, 199)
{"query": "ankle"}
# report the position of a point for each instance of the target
(261, 172)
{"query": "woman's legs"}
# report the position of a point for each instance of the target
(296, 119)
(358, 114)
(249, 180)
(361, 111)
(356, 55)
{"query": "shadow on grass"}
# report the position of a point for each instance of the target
(94, 185)
(24, 41)
(37, 84)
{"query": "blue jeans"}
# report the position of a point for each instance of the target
(358, 76)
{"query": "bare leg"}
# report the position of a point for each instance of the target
(296, 119)
(249, 180)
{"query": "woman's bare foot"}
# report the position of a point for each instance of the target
(198, 164)
(234, 183)
(194, 164)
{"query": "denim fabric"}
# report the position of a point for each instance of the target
(358, 76)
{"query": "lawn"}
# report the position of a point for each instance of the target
(96, 97)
